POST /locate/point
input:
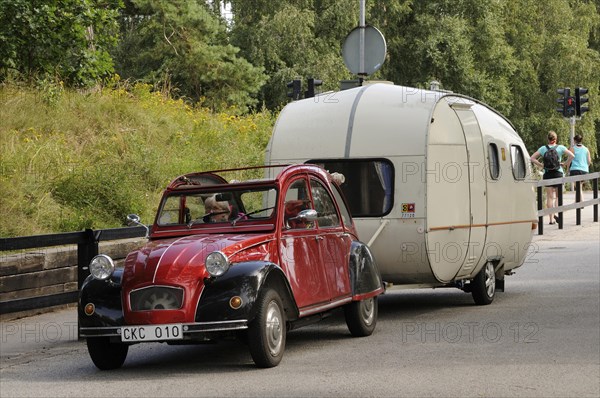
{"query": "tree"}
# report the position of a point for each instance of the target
(290, 39)
(183, 45)
(67, 40)
(553, 45)
(511, 55)
(460, 44)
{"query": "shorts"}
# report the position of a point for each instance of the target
(577, 172)
(550, 174)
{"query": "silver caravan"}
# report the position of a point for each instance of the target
(438, 183)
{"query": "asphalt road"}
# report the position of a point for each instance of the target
(540, 338)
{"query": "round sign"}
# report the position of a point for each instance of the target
(373, 52)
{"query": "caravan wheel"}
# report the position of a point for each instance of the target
(483, 286)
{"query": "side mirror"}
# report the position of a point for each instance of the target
(134, 219)
(308, 215)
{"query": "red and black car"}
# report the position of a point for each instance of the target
(239, 259)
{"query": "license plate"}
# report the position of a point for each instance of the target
(151, 333)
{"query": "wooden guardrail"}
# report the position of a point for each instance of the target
(578, 205)
(33, 281)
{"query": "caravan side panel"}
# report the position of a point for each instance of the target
(509, 221)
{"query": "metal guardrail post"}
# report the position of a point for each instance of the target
(560, 203)
(577, 200)
(540, 206)
(595, 185)
(86, 250)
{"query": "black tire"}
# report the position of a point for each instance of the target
(483, 286)
(267, 332)
(361, 316)
(106, 355)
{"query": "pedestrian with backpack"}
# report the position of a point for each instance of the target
(551, 155)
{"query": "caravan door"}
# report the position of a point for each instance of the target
(456, 191)
(477, 187)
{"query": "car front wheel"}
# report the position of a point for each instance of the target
(361, 316)
(484, 285)
(106, 355)
(267, 332)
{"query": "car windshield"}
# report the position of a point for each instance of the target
(217, 206)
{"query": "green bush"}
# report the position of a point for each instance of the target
(86, 160)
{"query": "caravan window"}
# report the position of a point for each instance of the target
(518, 162)
(493, 160)
(369, 184)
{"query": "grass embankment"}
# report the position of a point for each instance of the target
(70, 161)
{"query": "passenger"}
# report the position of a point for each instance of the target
(552, 168)
(292, 209)
(216, 211)
(581, 162)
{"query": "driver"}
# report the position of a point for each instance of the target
(216, 211)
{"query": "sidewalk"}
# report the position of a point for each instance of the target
(48, 331)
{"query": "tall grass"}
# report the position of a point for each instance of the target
(70, 161)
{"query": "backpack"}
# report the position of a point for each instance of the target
(551, 159)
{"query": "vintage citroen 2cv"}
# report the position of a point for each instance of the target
(238, 259)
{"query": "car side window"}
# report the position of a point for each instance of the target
(345, 213)
(296, 200)
(324, 205)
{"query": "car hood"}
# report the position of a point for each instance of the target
(180, 261)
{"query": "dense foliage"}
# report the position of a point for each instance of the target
(66, 39)
(513, 55)
(182, 45)
(217, 58)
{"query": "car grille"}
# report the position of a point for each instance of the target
(156, 298)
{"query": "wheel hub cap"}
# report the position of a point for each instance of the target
(274, 328)
(490, 279)
(368, 310)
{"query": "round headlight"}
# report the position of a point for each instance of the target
(217, 263)
(102, 267)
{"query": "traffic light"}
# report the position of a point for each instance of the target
(579, 100)
(570, 107)
(564, 101)
(312, 83)
(296, 88)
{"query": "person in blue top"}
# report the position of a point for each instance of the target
(582, 160)
(555, 172)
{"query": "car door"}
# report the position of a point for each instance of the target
(334, 241)
(299, 247)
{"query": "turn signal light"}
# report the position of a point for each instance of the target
(89, 309)
(235, 302)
